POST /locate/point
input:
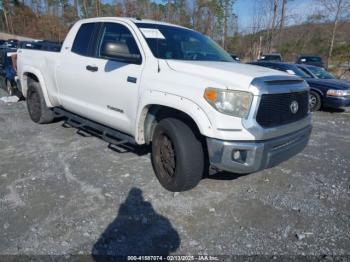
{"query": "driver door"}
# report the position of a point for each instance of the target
(116, 82)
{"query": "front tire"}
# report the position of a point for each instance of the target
(315, 101)
(38, 111)
(178, 157)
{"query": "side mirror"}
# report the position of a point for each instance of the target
(120, 52)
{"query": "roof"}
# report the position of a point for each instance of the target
(128, 19)
(307, 65)
(309, 56)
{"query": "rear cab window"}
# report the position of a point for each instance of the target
(83, 41)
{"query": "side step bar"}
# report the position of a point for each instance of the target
(108, 134)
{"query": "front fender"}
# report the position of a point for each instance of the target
(187, 106)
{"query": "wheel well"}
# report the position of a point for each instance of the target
(31, 77)
(27, 78)
(319, 93)
(155, 113)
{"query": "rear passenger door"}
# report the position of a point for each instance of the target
(76, 83)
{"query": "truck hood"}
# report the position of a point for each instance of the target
(229, 74)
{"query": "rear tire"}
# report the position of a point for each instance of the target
(9, 88)
(315, 101)
(38, 111)
(178, 157)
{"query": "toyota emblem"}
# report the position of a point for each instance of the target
(294, 107)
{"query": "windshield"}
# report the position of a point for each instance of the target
(293, 70)
(170, 42)
(321, 73)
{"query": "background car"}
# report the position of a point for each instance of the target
(271, 57)
(332, 92)
(235, 57)
(11, 43)
(7, 72)
(29, 45)
(310, 60)
(41, 45)
(51, 46)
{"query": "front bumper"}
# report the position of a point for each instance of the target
(336, 102)
(256, 155)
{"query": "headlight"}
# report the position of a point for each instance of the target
(234, 103)
(332, 92)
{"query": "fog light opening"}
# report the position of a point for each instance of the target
(239, 155)
(236, 155)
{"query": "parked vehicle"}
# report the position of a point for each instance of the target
(147, 82)
(11, 43)
(316, 72)
(29, 45)
(7, 71)
(51, 46)
(326, 90)
(310, 60)
(271, 57)
(41, 45)
(235, 57)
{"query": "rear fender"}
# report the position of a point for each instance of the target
(27, 72)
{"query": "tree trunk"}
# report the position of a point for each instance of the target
(272, 30)
(76, 8)
(5, 8)
(331, 46)
(85, 9)
(283, 14)
(224, 40)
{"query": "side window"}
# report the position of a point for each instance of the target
(117, 33)
(82, 40)
(305, 71)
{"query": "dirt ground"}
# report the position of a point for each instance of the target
(65, 193)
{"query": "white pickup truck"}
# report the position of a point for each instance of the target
(147, 82)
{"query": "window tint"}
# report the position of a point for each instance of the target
(117, 33)
(82, 39)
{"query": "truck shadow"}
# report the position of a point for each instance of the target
(222, 175)
(333, 110)
(137, 230)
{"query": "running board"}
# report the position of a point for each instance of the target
(108, 134)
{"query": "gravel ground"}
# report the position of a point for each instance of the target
(64, 193)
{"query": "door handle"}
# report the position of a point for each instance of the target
(92, 68)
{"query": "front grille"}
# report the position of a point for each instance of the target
(275, 109)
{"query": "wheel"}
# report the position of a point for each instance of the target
(38, 111)
(178, 156)
(315, 101)
(9, 88)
